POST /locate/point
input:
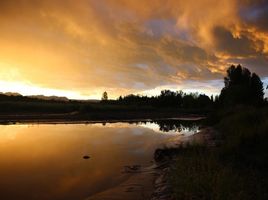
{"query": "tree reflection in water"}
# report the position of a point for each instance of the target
(177, 125)
(174, 125)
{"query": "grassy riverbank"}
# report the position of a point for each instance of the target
(236, 168)
(166, 105)
(32, 110)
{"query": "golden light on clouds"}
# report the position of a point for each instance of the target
(81, 48)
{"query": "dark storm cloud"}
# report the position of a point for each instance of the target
(234, 46)
(135, 45)
(256, 15)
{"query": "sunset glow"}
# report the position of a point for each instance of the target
(79, 49)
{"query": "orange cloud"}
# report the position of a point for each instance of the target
(128, 46)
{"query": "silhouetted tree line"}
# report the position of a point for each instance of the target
(240, 87)
(168, 98)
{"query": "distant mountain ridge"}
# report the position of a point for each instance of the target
(43, 97)
(11, 93)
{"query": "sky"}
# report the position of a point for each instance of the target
(81, 48)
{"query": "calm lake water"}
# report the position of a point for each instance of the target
(45, 161)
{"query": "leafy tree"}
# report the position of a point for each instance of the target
(104, 96)
(203, 101)
(169, 98)
(189, 101)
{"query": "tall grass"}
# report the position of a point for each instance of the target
(235, 170)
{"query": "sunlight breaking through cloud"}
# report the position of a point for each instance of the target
(127, 46)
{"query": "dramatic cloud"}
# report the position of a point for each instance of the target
(123, 46)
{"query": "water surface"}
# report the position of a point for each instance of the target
(45, 161)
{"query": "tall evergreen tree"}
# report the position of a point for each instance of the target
(241, 87)
(256, 89)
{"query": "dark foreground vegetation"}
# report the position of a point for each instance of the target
(235, 166)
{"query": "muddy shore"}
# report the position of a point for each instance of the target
(165, 159)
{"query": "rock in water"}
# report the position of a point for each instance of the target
(86, 157)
